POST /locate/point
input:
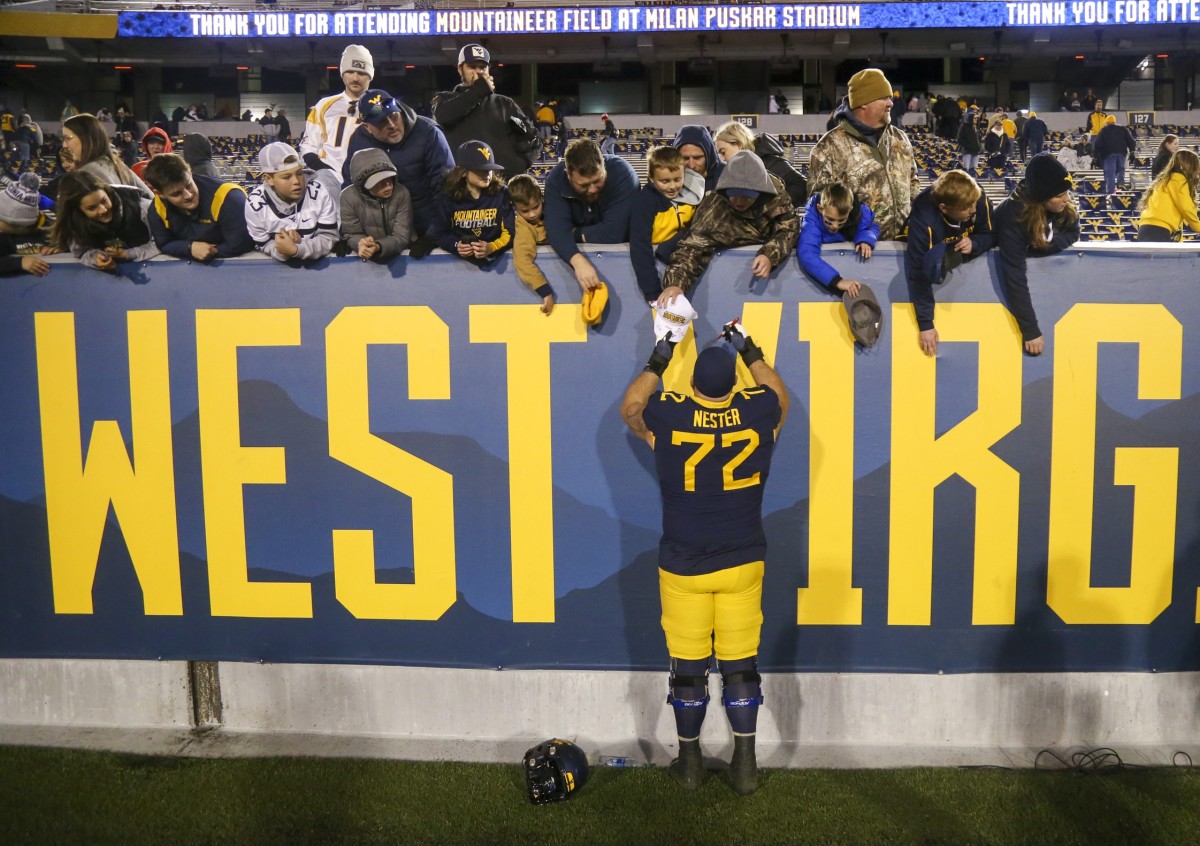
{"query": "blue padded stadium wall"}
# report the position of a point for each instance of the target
(410, 464)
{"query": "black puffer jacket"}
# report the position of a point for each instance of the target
(474, 113)
(768, 148)
(968, 137)
(128, 224)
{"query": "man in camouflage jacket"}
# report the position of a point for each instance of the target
(749, 206)
(872, 157)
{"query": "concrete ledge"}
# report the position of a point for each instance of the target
(221, 743)
(52, 692)
(422, 713)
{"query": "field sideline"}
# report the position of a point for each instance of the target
(69, 796)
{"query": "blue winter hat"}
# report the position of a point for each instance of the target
(715, 372)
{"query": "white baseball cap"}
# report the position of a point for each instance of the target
(278, 157)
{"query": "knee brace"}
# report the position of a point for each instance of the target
(688, 686)
(741, 685)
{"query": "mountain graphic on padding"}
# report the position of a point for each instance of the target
(613, 624)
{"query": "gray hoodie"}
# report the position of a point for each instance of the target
(197, 152)
(746, 170)
(770, 221)
(388, 221)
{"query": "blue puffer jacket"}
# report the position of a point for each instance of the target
(860, 228)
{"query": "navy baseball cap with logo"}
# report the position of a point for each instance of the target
(476, 155)
(376, 105)
(474, 53)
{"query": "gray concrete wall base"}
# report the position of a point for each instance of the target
(65, 692)
(421, 713)
(223, 743)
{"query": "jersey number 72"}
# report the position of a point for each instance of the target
(705, 444)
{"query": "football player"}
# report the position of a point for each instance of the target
(712, 450)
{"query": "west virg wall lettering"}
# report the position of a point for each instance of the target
(81, 486)
(412, 464)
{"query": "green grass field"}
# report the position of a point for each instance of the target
(52, 796)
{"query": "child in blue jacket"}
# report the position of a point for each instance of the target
(833, 216)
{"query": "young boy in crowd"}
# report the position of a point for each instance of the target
(530, 234)
(21, 228)
(950, 223)
(195, 217)
(376, 210)
(749, 206)
(833, 216)
(662, 210)
(154, 143)
(289, 216)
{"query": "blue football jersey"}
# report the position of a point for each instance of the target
(713, 459)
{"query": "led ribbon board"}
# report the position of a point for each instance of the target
(618, 19)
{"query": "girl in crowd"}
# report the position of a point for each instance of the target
(1037, 219)
(733, 136)
(66, 164)
(87, 141)
(100, 223)
(997, 145)
(474, 220)
(1166, 149)
(1170, 201)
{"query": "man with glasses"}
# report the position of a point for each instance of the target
(416, 146)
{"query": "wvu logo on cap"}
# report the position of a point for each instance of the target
(376, 100)
(476, 52)
(485, 152)
(358, 64)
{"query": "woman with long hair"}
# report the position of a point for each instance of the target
(1037, 219)
(66, 164)
(1170, 201)
(85, 137)
(101, 224)
(732, 137)
(1168, 147)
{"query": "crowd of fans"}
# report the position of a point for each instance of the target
(371, 178)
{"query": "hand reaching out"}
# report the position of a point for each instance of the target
(850, 286)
